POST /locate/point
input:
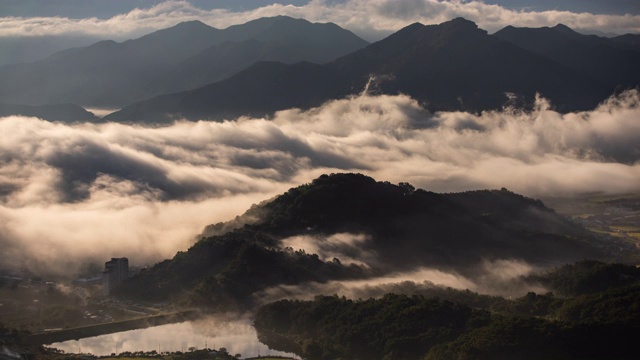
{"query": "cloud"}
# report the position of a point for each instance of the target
(503, 277)
(77, 194)
(371, 19)
(348, 248)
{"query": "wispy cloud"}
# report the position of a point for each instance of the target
(370, 19)
(348, 248)
(503, 277)
(85, 192)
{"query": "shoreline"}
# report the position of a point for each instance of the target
(81, 332)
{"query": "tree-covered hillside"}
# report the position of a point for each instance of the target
(590, 325)
(396, 226)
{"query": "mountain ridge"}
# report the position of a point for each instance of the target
(112, 74)
(602, 59)
(453, 66)
(55, 112)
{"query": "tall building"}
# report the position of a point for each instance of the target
(115, 272)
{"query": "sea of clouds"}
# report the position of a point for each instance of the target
(72, 195)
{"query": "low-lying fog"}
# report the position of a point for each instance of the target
(75, 194)
(499, 278)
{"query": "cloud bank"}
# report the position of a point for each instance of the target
(371, 19)
(499, 278)
(77, 194)
(349, 248)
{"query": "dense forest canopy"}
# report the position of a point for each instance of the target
(593, 324)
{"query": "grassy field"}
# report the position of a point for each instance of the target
(626, 228)
(607, 198)
(604, 232)
(635, 235)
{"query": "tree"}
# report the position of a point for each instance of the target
(407, 189)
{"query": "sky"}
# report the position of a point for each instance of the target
(106, 9)
(77, 194)
(370, 19)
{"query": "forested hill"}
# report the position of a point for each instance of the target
(410, 227)
(359, 227)
(399, 327)
(597, 320)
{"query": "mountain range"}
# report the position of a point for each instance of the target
(450, 66)
(194, 71)
(363, 229)
(190, 54)
(55, 112)
(612, 62)
(15, 50)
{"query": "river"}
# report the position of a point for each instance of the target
(237, 335)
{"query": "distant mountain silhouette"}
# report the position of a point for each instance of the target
(612, 62)
(189, 54)
(451, 66)
(318, 42)
(457, 66)
(27, 49)
(628, 41)
(106, 73)
(280, 39)
(57, 112)
(261, 89)
(406, 229)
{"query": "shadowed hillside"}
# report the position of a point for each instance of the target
(185, 56)
(593, 325)
(450, 66)
(383, 227)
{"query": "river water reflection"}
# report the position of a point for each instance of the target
(236, 335)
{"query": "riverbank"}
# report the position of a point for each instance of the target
(76, 333)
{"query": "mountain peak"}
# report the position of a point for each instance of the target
(191, 24)
(562, 28)
(289, 18)
(182, 30)
(419, 31)
(460, 20)
(460, 23)
(263, 23)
